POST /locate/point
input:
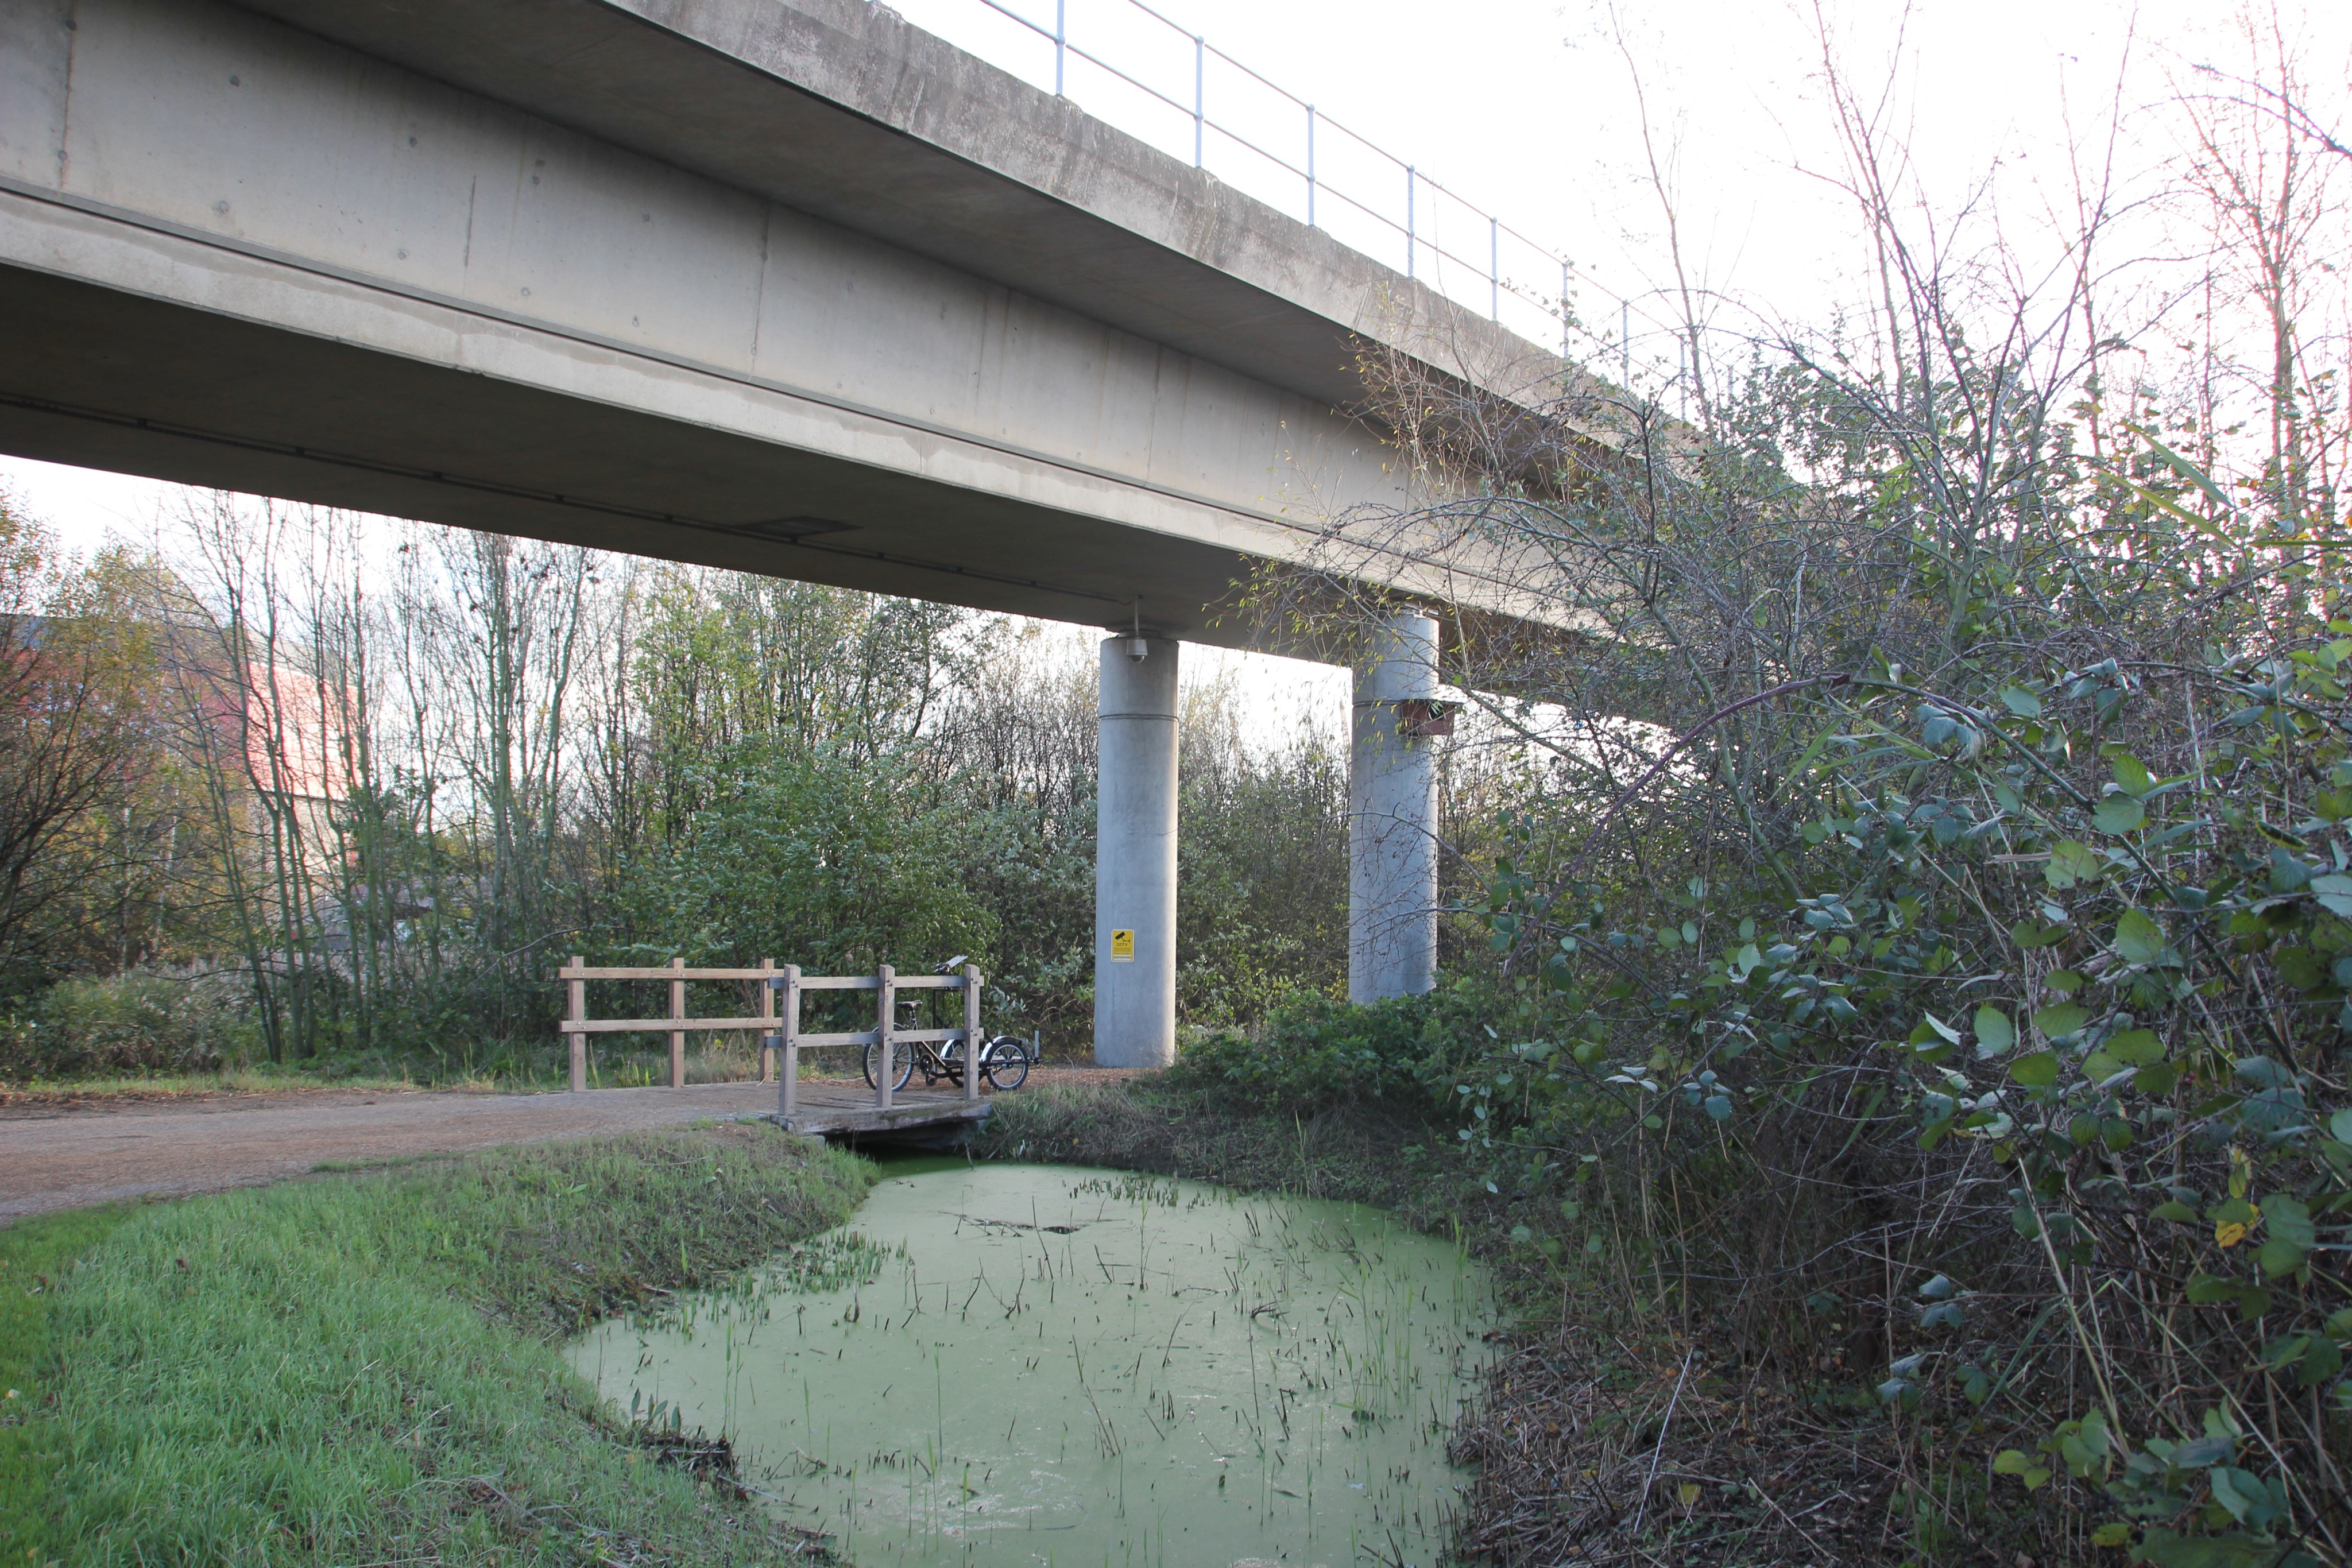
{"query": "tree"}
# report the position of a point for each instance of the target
(77, 722)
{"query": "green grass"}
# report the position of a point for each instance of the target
(34, 1253)
(363, 1369)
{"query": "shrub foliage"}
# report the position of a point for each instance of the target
(1924, 922)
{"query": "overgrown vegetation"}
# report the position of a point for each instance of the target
(361, 1368)
(1921, 1059)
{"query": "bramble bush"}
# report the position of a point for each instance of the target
(2055, 1025)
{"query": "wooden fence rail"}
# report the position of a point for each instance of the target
(781, 1037)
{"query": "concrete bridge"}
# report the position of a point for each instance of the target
(781, 286)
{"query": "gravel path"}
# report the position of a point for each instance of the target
(65, 1158)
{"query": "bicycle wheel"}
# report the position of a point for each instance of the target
(1004, 1062)
(902, 1064)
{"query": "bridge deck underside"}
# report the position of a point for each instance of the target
(685, 287)
(102, 379)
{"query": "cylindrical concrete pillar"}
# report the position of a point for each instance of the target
(1393, 815)
(1135, 856)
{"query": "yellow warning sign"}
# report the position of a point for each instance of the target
(1122, 947)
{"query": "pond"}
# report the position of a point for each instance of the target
(1017, 1365)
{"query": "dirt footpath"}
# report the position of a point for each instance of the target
(65, 1158)
(68, 1158)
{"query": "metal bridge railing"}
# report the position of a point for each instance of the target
(1298, 160)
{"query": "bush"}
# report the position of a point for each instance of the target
(1314, 1050)
(191, 1020)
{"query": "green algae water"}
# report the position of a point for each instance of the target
(1028, 1365)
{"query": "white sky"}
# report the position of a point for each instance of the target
(1524, 107)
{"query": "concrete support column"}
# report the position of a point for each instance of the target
(1393, 815)
(1135, 856)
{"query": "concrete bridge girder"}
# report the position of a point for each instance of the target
(585, 342)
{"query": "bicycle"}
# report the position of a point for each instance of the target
(1004, 1060)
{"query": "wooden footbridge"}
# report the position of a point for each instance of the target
(828, 1106)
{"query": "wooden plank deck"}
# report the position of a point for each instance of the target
(838, 1107)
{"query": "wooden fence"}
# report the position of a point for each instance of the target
(782, 988)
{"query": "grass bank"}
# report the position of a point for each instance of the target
(363, 1368)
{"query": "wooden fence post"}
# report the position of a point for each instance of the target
(677, 1037)
(972, 1031)
(888, 993)
(767, 1010)
(576, 997)
(789, 1069)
